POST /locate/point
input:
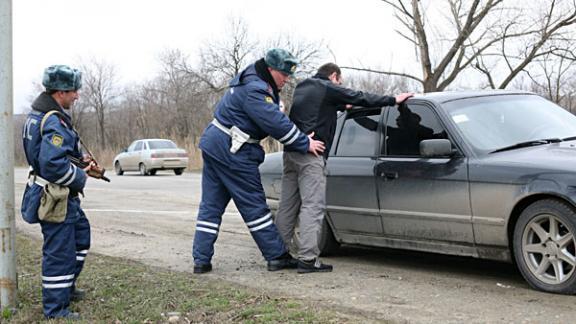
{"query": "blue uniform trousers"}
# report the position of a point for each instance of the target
(63, 253)
(221, 183)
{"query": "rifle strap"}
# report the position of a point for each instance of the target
(45, 118)
(52, 112)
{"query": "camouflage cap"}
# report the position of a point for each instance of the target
(62, 77)
(281, 60)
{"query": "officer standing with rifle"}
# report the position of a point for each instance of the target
(58, 173)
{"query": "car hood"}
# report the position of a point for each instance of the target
(549, 163)
(555, 156)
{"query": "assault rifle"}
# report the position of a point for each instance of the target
(96, 171)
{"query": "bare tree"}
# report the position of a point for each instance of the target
(481, 35)
(221, 60)
(309, 55)
(99, 92)
(557, 72)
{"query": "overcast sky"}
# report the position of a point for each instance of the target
(130, 34)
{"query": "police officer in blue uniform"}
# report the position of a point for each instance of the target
(50, 142)
(247, 113)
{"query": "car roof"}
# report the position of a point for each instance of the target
(155, 139)
(445, 96)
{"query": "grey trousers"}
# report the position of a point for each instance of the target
(302, 202)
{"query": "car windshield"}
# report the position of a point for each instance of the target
(497, 122)
(159, 145)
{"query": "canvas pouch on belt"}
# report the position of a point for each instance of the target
(54, 203)
(238, 139)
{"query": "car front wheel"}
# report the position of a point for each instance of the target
(545, 246)
(178, 171)
(118, 168)
(143, 170)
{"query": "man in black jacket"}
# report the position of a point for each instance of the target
(316, 103)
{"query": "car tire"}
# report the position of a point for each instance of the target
(545, 247)
(179, 171)
(118, 168)
(152, 172)
(143, 170)
(327, 242)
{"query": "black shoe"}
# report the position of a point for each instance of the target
(77, 295)
(202, 268)
(285, 261)
(313, 265)
(71, 316)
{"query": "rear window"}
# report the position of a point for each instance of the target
(158, 145)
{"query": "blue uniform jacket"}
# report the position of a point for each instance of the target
(250, 105)
(48, 156)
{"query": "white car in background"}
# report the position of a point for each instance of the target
(149, 155)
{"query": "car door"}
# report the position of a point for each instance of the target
(351, 198)
(421, 198)
(134, 155)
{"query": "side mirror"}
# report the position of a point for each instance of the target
(435, 148)
(125, 150)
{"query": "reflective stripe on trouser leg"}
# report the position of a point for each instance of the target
(82, 233)
(245, 187)
(58, 266)
(215, 198)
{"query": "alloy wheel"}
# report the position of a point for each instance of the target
(549, 249)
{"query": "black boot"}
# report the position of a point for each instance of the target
(71, 316)
(314, 265)
(77, 294)
(285, 261)
(202, 268)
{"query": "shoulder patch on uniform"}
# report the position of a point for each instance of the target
(57, 140)
(268, 99)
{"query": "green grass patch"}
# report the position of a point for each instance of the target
(124, 291)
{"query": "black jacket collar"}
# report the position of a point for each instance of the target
(318, 76)
(45, 103)
(264, 74)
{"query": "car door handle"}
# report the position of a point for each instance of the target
(389, 175)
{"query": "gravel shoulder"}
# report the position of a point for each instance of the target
(151, 220)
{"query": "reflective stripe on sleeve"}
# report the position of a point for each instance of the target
(65, 177)
(73, 176)
(294, 129)
(293, 138)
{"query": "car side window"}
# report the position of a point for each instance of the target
(359, 135)
(131, 147)
(407, 126)
(138, 146)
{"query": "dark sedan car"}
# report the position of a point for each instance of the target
(484, 174)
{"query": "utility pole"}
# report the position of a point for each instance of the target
(8, 281)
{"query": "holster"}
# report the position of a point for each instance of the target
(238, 139)
(53, 203)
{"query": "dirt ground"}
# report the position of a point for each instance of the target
(151, 219)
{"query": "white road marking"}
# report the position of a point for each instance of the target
(136, 211)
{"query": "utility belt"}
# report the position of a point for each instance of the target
(33, 178)
(236, 134)
(54, 199)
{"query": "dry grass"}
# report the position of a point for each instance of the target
(106, 157)
(123, 291)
